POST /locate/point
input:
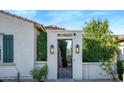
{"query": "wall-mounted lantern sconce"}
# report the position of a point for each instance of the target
(51, 49)
(77, 49)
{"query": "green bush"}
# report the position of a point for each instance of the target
(64, 62)
(42, 47)
(18, 77)
(99, 43)
(120, 69)
(63, 48)
(40, 73)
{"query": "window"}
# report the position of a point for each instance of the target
(7, 48)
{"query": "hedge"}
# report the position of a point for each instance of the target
(120, 69)
(42, 47)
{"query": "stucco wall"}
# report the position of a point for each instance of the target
(77, 58)
(39, 64)
(121, 53)
(94, 71)
(23, 33)
(52, 37)
(52, 58)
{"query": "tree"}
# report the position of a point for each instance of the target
(42, 47)
(99, 44)
(63, 49)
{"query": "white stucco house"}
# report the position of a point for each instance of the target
(18, 42)
(18, 50)
(17, 45)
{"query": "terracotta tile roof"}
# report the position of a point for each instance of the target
(121, 36)
(22, 18)
(52, 27)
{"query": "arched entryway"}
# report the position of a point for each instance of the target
(75, 67)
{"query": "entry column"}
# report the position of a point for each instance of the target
(52, 55)
(77, 56)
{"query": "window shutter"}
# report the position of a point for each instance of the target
(7, 48)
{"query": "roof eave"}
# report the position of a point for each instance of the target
(121, 40)
(39, 27)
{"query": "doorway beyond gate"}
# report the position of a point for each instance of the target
(65, 58)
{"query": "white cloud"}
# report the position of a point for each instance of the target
(58, 17)
(30, 14)
(97, 14)
(72, 19)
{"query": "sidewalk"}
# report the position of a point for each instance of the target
(71, 80)
(59, 80)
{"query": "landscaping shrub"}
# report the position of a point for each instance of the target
(99, 43)
(42, 47)
(64, 62)
(18, 77)
(120, 69)
(40, 73)
(63, 48)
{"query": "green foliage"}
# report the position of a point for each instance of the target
(18, 77)
(120, 69)
(42, 47)
(40, 73)
(63, 48)
(100, 45)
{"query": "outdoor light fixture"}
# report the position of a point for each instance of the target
(51, 49)
(77, 49)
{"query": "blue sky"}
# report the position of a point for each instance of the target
(75, 19)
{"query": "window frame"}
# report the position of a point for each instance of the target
(1, 48)
(8, 58)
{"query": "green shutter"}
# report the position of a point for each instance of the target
(7, 48)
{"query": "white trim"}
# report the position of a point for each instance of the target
(40, 62)
(94, 63)
(64, 31)
(1, 47)
(7, 64)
